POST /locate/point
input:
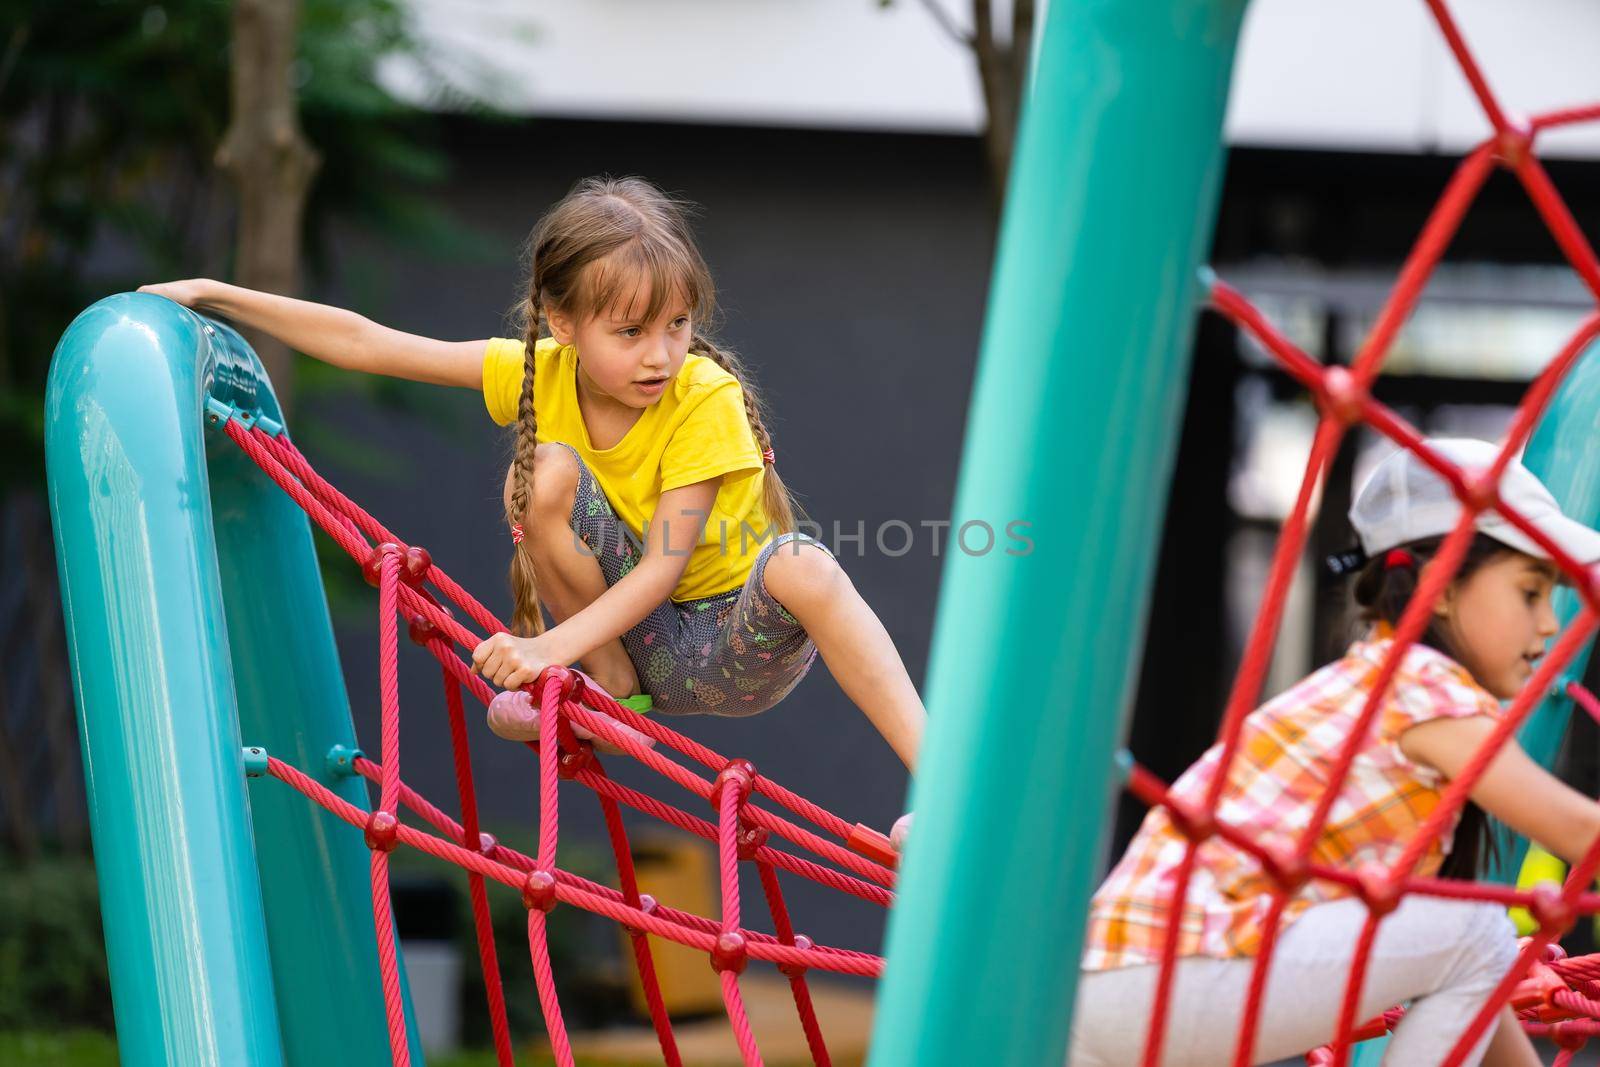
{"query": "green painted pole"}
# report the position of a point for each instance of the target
(1072, 429)
(196, 624)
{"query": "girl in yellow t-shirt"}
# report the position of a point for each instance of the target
(646, 513)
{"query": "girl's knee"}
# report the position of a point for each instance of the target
(556, 469)
(801, 570)
(1485, 941)
(1498, 937)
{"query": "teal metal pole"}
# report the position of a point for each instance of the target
(197, 623)
(1072, 429)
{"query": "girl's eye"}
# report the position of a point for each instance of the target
(1533, 595)
(629, 331)
(678, 324)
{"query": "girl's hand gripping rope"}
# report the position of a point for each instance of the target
(512, 662)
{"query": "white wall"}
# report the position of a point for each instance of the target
(1376, 73)
(1355, 74)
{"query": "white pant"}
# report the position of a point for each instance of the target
(1447, 955)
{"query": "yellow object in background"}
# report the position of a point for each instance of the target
(678, 870)
(1540, 866)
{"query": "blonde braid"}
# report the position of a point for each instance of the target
(526, 618)
(777, 500)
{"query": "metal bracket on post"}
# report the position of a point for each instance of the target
(255, 762)
(341, 760)
(218, 413)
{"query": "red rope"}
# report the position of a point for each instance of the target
(730, 953)
(1343, 397)
(1344, 400)
(382, 822)
(400, 572)
(482, 923)
(797, 976)
(642, 959)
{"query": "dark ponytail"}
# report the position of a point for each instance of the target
(1382, 592)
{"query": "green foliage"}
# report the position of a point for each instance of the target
(72, 1048)
(110, 115)
(52, 955)
(54, 985)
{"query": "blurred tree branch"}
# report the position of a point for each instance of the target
(271, 164)
(111, 119)
(1002, 74)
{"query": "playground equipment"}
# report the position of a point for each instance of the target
(162, 426)
(256, 929)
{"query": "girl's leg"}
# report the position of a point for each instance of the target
(1510, 1046)
(1464, 948)
(1112, 1015)
(1446, 955)
(809, 583)
(568, 548)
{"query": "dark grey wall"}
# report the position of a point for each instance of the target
(853, 271)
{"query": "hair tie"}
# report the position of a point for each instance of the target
(1398, 557)
(768, 456)
(516, 533)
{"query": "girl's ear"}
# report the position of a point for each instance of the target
(1445, 604)
(560, 327)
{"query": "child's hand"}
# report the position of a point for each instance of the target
(514, 717)
(191, 292)
(511, 662)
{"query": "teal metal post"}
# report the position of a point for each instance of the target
(197, 623)
(1072, 429)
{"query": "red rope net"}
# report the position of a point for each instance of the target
(743, 830)
(1554, 996)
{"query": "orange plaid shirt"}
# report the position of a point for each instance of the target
(1286, 750)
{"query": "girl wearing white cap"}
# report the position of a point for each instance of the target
(1443, 956)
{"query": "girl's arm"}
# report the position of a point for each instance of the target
(675, 529)
(334, 335)
(511, 662)
(1513, 788)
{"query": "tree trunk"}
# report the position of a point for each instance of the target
(271, 164)
(1003, 74)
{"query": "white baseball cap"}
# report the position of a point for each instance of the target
(1405, 500)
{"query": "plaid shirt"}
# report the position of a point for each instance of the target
(1286, 750)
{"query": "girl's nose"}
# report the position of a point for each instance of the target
(1548, 624)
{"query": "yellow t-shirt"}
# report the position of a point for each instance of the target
(696, 430)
